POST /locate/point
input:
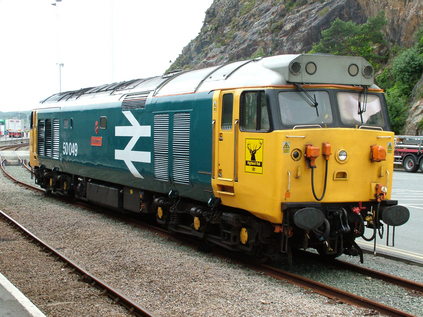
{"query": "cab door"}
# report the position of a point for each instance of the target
(33, 140)
(226, 122)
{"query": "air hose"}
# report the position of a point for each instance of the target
(376, 228)
(324, 185)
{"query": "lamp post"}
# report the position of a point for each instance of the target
(60, 75)
(60, 64)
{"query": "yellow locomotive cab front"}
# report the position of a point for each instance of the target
(262, 171)
(313, 157)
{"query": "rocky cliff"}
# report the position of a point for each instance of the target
(415, 117)
(404, 18)
(241, 29)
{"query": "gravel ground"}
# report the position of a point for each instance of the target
(166, 277)
(365, 286)
(410, 271)
(49, 283)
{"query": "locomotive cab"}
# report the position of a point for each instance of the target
(314, 156)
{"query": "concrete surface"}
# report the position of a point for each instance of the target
(13, 303)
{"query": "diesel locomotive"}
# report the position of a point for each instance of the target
(260, 156)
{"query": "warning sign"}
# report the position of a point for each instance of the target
(390, 147)
(286, 146)
(254, 156)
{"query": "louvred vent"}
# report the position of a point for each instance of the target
(135, 101)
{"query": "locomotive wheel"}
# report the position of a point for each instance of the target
(410, 164)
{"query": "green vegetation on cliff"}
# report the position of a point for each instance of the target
(398, 77)
(349, 38)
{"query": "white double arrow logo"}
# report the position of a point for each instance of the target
(135, 130)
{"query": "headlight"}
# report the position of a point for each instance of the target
(342, 156)
(353, 70)
(295, 68)
(368, 71)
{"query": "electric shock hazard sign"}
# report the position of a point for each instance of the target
(254, 156)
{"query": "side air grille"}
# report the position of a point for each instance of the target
(181, 134)
(56, 138)
(48, 138)
(135, 101)
(41, 132)
(161, 145)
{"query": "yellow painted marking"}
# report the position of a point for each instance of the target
(160, 213)
(197, 223)
(243, 235)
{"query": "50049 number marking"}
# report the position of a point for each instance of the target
(70, 148)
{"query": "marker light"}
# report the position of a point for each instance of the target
(342, 156)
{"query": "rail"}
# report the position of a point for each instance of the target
(412, 285)
(14, 179)
(87, 277)
(331, 292)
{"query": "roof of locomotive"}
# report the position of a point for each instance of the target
(268, 71)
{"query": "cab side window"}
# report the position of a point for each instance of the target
(227, 109)
(103, 122)
(254, 111)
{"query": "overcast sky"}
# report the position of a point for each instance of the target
(98, 41)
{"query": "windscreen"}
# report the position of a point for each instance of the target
(305, 108)
(360, 109)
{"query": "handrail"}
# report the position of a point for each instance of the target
(236, 124)
(213, 147)
(370, 127)
(306, 126)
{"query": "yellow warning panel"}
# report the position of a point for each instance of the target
(286, 147)
(254, 156)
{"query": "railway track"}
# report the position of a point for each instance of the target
(13, 146)
(318, 287)
(344, 296)
(133, 308)
(321, 288)
(396, 280)
(87, 277)
(14, 179)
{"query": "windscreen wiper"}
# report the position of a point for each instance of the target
(311, 100)
(362, 107)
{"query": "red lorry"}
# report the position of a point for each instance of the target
(409, 152)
